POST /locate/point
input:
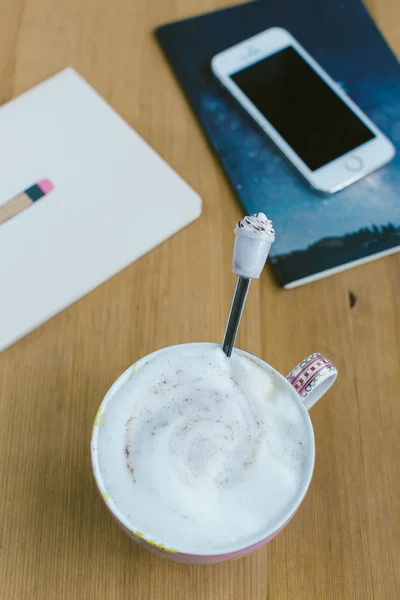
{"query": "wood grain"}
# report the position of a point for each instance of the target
(56, 538)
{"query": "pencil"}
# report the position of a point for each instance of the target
(25, 199)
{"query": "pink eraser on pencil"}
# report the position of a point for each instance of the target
(45, 185)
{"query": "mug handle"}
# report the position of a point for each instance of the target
(312, 378)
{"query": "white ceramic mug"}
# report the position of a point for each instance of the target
(306, 383)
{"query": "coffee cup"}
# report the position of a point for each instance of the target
(304, 386)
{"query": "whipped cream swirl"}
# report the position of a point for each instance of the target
(258, 223)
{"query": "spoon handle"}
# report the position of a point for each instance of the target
(235, 314)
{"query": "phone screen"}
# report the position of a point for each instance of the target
(302, 108)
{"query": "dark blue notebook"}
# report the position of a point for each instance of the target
(316, 236)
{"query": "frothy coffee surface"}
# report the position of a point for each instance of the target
(199, 451)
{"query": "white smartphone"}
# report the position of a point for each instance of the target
(326, 136)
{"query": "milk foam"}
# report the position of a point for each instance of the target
(197, 450)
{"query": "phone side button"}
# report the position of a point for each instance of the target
(354, 163)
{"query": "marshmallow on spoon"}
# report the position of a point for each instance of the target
(254, 236)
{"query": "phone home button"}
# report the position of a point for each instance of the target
(354, 163)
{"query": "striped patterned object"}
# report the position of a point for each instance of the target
(305, 376)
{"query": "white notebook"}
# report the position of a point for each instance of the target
(81, 197)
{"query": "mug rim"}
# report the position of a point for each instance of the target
(266, 533)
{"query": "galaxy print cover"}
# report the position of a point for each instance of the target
(316, 236)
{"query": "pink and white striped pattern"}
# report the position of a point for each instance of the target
(305, 376)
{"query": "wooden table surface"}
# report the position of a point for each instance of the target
(56, 539)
